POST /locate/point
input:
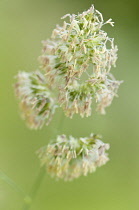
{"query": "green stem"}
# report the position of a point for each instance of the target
(11, 183)
(28, 200)
(58, 130)
(61, 123)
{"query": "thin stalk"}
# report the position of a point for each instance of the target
(61, 123)
(58, 130)
(11, 183)
(28, 200)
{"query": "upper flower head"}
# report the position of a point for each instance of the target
(76, 62)
(78, 59)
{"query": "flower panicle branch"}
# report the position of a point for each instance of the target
(36, 99)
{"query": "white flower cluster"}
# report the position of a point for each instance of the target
(75, 65)
(76, 50)
(36, 100)
(70, 158)
(74, 70)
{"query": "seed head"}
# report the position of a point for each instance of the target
(70, 158)
(76, 63)
(36, 101)
(78, 59)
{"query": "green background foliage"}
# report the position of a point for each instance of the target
(115, 186)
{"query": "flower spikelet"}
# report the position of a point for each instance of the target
(105, 95)
(78, 98)
(69, 158)
(36, 100)
(79, 49)
(77, 44)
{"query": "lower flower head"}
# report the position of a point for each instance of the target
(70, 158)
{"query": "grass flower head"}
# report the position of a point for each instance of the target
(69, 158)
(36, 100)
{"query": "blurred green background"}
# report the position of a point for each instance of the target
(115, 186)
